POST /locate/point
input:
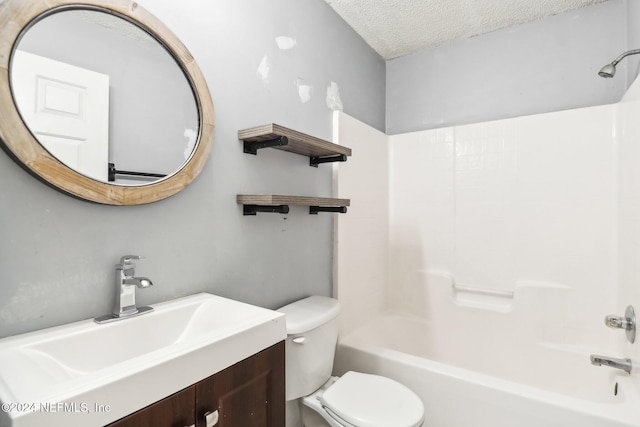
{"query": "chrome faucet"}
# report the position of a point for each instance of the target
(624, 364)
(126, 284)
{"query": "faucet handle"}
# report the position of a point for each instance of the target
(626, 322)
(613, 321)
(126, 259)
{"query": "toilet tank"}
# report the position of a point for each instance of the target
(312, 333)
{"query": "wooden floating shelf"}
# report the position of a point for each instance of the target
(274, 199)
(282, 138)
(280, 204)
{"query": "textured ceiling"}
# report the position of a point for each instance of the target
(398, 27)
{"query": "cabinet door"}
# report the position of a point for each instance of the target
(173, 411)
(247, 394)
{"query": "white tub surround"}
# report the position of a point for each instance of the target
(628, 135)
(360, 238)
(510, 240)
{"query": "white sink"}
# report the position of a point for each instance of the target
(90, 374)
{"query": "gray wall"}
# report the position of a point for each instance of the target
(546, 65)
(633, 40)
(57, 254)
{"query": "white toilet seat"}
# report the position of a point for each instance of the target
(363, 400)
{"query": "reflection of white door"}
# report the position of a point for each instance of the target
(67, 109)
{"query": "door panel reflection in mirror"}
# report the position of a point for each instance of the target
(153, 124)
(67, 109)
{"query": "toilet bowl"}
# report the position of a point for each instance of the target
(353, 400)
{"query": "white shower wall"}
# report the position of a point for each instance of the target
(628, 135)
(533, 219)
(498, 204)
(360, 239)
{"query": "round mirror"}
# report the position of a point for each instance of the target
(114, 110)
(106, 99)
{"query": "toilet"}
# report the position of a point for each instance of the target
(353, 400)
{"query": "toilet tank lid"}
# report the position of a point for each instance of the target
(309, 313)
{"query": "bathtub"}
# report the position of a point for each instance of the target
(473, 384)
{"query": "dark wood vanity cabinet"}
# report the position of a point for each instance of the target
(248, 394)
(173, 411)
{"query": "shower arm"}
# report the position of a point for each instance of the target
(627, 53)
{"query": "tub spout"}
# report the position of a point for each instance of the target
(624, 364)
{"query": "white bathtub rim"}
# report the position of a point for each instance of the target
(624, 409)
(363, 336)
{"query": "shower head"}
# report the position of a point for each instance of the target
(609, 70)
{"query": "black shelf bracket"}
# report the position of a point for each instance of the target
(315, 161)
(254, 209)
(112, 172)
(252, 147)
(313, 210)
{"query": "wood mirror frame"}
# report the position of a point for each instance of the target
(24, 148)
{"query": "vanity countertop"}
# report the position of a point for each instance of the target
(88, 374)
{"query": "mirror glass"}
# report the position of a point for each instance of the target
(104, 97)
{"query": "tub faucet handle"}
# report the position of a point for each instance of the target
(613, 321)
(626, 322)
